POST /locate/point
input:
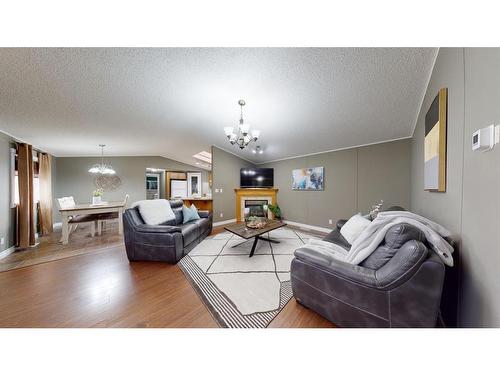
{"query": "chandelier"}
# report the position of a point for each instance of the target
(102, 168)
(242, 137)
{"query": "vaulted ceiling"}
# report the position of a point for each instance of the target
(175, 102)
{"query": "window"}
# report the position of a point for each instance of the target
(15, 180)
(36, 189)
(14, 185)
(16, 190)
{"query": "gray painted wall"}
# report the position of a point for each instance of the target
(481, 204)
(226, 176)
(73, 178)
(470, 206)
(355, 179)
(7, 214)
(444, 208)
(384, 173)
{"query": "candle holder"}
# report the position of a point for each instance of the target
(265, 209)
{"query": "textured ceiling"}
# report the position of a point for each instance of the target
(175, 102)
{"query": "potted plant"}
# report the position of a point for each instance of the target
(96, 196)
(276, 211)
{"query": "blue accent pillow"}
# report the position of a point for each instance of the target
(189, 214)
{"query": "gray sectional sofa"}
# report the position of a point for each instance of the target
(167, 242)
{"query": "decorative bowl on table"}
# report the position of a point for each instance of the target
(256, 222)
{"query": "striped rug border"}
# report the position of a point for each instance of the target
(221, 307)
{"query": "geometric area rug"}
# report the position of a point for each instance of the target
(243, 292)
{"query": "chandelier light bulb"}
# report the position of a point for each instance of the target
(244, 128)
(108, 170)
(255, 134)
(228, 130)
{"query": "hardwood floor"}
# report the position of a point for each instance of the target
(102, 289)
(49, 248)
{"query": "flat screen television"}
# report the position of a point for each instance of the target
(256, 177)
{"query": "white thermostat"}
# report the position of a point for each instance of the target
(484, 139)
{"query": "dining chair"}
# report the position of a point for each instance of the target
(74, 220)
(103, 218)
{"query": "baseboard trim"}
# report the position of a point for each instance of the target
(307, 226)
(219, 223)
(7, 252)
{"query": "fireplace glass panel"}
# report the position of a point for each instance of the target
(256, 207)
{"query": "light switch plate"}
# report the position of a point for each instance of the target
(330, 221)
(2, 241)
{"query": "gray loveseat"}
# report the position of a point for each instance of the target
(167, 242)
(399, 285)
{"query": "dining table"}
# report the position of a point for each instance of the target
(90, 209)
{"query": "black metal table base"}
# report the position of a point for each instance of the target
(256, 239)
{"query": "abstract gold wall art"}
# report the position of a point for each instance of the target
(435, 144)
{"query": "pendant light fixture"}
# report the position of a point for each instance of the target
(102, 168)
(258, 150)
(242, 136)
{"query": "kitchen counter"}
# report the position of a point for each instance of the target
(203, 203)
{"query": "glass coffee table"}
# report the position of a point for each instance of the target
(241, 230)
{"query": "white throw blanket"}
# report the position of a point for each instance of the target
(155, 211)
(374, 234)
